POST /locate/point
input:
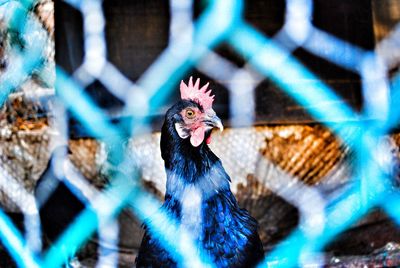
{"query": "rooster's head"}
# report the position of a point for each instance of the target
(193, 116)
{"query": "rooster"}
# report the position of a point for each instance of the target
(198, 192)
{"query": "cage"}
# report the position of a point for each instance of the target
(288, 166)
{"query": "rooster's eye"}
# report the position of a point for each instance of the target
(190, 113)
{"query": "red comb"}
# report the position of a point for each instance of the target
(192, 92)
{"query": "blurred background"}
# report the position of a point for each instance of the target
(286, 165)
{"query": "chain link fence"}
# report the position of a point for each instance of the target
(124, 157)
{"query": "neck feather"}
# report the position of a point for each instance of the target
(187, 165)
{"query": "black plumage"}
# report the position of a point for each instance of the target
(195, 174)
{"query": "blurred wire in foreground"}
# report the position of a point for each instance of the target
(191, 44)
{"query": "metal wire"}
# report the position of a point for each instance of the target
(191, 44)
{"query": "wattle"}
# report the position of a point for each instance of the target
(197, 136)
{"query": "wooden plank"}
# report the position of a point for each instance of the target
(137, 32)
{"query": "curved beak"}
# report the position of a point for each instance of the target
(212, 120)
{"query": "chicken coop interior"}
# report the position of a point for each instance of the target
(307, 91)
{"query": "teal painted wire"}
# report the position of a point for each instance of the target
(220, 22)
(12, 239)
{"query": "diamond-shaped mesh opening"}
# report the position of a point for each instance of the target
(305, 164)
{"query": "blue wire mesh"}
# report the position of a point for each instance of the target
(191, 45)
